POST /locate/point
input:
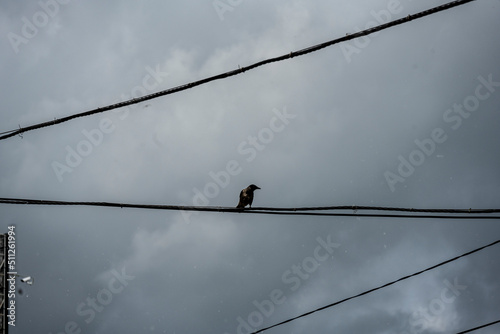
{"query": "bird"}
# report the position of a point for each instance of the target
(246, 196)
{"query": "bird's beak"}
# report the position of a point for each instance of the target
(257, 187)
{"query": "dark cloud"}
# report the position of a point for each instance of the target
(322, 129)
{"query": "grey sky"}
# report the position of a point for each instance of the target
(379, 121)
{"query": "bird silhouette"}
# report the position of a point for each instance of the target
(246, 196)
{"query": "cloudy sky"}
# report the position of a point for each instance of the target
(408, 117)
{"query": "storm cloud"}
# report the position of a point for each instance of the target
(406, 117)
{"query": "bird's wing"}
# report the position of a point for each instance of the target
(242, 204)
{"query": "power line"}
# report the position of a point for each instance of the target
(1, 133)
(240, 70)
(378, 208)
(479, 327)
(378, 288)
(303, 211)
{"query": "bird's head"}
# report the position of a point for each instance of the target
(253, 187)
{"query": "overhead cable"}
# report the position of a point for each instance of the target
(240, 70)
(378, 288)
(302, 211)
(479, 327)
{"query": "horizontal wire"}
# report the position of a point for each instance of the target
(377, 288)
(303, 211)
(378, 208)
(239, 70)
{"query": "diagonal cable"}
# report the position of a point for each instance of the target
(11, 133)
(479, 327)
(377, 288)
